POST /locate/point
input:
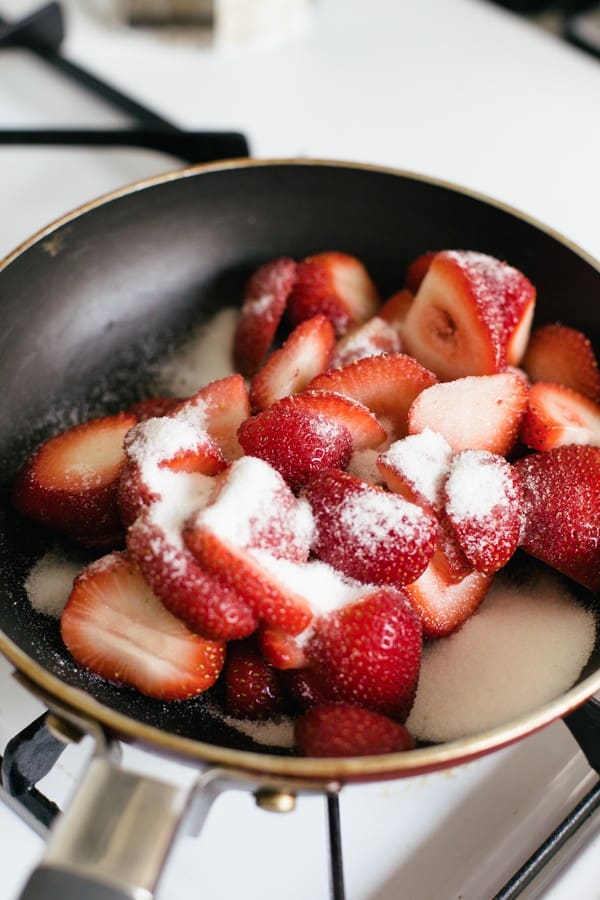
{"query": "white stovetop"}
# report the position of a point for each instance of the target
(457, 89)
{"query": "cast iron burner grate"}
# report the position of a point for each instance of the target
(42, 33)
(33, 752)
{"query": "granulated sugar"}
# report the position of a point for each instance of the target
(270, 732)
(204, 357)
(422, 460)
(525, 646)
(478, 483)
(50, 582)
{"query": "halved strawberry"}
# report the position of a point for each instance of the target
(369, 652)
(265, 299)
(557, 415)
(303, 688)
(252, 687)
(561, 510)
(114, 626)
(367, 533)
(471, 315)
(387, 385)
(336, 285)
(483, 504)
(306, 353)
(373, 338)
(71, 481)
(442, 602)
(563, 355)
(416, 467)
(301, 434)
(343, 729)
(219, 408)
(474, 413)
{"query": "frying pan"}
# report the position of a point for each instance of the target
(89, 306)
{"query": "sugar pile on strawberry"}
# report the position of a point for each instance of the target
(312, 529)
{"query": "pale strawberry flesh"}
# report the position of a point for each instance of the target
(114, 626)
(557, 415)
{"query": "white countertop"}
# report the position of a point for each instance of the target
(457, 89)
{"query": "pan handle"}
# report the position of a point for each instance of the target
(113, 840)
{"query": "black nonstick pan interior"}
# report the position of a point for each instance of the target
(89, 307)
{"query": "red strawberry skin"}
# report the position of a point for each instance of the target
(369, 534)
(342, 729)
(186, 590)
(71, 483)
(336, 285)
(114, 626)
(483, 504)
(265, 300)
(296, 441)
(369, 653)
(561, 510)
(252, 687)
(563, 355)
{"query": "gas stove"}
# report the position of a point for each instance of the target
(463, 833)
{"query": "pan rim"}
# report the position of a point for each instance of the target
(349, 768)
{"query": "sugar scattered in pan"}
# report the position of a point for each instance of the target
(270, 732)
(527, 645)
(205, 356)
(49, 583)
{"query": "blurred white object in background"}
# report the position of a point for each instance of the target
(236, 23)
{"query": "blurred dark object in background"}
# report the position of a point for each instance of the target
(577, 21)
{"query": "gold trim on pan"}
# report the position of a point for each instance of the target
(349, 769)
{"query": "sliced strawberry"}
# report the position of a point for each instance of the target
(475, 413)
(416, 467)
(343, 729)
(306, 353)
(369, 652)
(367, 533)
(205, 605)
(252, 687)
(301, 434)
(336, 285)
(483, 504)
(271, 599)
(265, 300)
(387, 385)
(557, 415)
(442, 602)
(114, 626)
(561, 505)
(563, 355)
(156, 450)
(455, 563)
(471, 315)
(219, 408)
(255, 513)
(154, 407)
(71, 482)
(280, 649)
(373, 338)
